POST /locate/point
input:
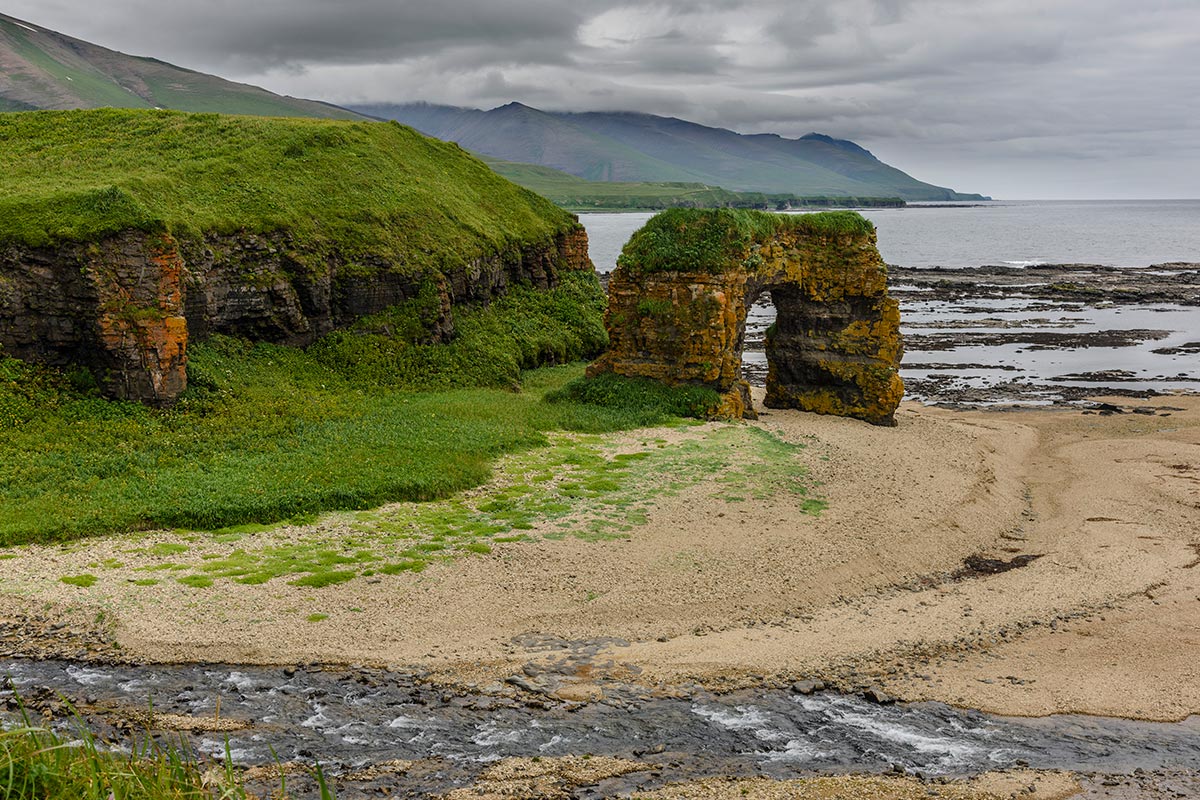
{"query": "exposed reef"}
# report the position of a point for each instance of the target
(684, 282)
(315, 225)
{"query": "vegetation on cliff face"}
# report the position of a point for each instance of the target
(617, 391)
(268, 432)
(685, 282)
(709, 241)
(376, 190)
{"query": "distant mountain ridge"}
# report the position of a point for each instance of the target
(42, 69)
(635, 147)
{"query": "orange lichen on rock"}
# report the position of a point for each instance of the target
(141, 331)
(126, 306)
(679, 297)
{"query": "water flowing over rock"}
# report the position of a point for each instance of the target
(679, 297)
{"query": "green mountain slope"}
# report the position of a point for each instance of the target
(42, 69)
(576, 194)
(630, 147)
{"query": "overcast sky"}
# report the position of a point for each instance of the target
(1013, 98)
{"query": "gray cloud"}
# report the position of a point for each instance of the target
(1033, 98)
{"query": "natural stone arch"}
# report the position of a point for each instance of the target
(685, 281)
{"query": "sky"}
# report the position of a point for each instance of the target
(1012, 98)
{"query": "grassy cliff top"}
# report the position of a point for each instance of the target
(361, 188)
(713, 240)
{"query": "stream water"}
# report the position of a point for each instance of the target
(349, 718)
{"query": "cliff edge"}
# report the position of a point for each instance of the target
(125, 234)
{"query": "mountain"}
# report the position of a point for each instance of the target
(42, 69)
(629, 147)
(576, 194)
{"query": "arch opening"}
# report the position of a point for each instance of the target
(684, 287)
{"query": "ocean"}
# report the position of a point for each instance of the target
(997, 352)
(1116, 233)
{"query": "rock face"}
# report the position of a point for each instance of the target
(679, 297)
(127, 306)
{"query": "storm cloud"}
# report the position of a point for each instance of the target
(1015, 98)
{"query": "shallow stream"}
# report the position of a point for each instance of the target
(346, 719)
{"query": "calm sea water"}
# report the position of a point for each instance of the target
(1110, 232)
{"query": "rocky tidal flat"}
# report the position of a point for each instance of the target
(1038, 336)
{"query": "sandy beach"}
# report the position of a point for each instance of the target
(889, 588)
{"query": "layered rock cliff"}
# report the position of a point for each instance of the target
(684, 283)
(125, 235)
(127, 306)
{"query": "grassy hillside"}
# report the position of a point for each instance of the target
(267, 432)
(577, 194)
(709, 240)
(643, 148)
(362, 187)
(40, 68)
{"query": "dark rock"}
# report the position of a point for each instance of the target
(877, 695)
(127, 307)
(835, 347)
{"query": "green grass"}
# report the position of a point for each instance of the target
(578, 486)
(82, 581)
(58, 70)
(710, 241)
(267, 433)
(577, 194)
(96, 88)
(37, 763)
(609, 390)
(355, 189)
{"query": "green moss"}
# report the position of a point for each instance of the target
(196, 581)
(641, 395)
(317, 617)
(268, 433)
(415, 565)
(713, 240)
(363, 189)
(83, 581)
(655, 308)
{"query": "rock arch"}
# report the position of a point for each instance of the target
(684, 282)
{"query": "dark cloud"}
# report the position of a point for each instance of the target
(1010, 97)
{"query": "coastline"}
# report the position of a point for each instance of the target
(872, 593)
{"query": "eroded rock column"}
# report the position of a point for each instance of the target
(835, 348)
